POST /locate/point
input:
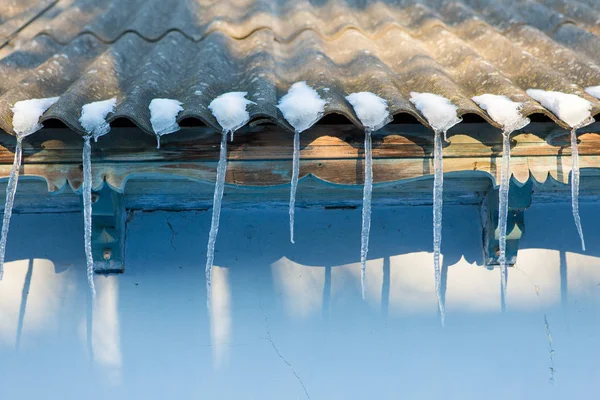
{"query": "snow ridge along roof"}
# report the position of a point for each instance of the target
(195, 50)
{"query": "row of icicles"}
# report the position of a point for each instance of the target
(302, 107)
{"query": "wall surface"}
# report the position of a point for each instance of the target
(288, 321)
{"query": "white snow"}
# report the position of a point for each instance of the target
(506, 113)
(593, 91)
(93, 117)
(27, 113)
(370, 109)
(230, 110)
(502, 110)
(569, 108)
(301, 106)
(438, 110)
(441, 115)
(163, 116)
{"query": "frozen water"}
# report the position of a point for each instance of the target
(301, 106)
(11, 190)
(373, 114)
(366, 210)
(370, 109)
(506, 113)
(93, 117)
(572, 109)
(442, 115)
(503, 110)
(575, 186)
(438, 110)
(216, 214)
(230, 110)
(593, 91)
(93, 120)
(576, 112)
(87, 211)
(163, 117)
(27, 113)
(294, 183)
(26, 120)
(438, 193)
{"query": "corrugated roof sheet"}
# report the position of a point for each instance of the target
(195, 50)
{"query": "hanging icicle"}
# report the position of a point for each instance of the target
(93, 121)
(301, 107)
(507, 113)
(26, 117)
(230, 111)
(575, 112)
(441, 114)
(87, 211)
(294, 182)
(438, 196)
(372, 112)
(575, 186)
(216, 214)
(163, 117)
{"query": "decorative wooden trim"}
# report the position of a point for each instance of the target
(261, 156)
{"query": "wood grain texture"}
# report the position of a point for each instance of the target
(261, 155)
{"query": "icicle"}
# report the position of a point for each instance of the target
(87, 211)
(507, 113)
(366, 210)
(503, 214)
(575, 185)
(163, 117)
(294, 183)
(26, 121)
(216, 214)
(11, 189)
(301, 107)
(438, 191)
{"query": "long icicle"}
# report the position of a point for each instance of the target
(11, 190)
(87, 211)
(438, 188)
(294, 183)
(366, 210)
(575, 185)
(503, 214)
(216, 214)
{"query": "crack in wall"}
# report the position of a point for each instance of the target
(270, 339)
(550, 350)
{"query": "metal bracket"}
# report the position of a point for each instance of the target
(519, 199)
(109, 218)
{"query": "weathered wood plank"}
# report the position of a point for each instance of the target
(260, 156)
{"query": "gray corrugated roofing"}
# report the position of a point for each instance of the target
(195, 50)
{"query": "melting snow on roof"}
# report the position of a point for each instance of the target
(503, 110)
(230, 110)
(163, 115)
(301, 106)
(27, 113)
(370, 109)
(569, 108)
(440, 113)
(93, 117)
(593, 91)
